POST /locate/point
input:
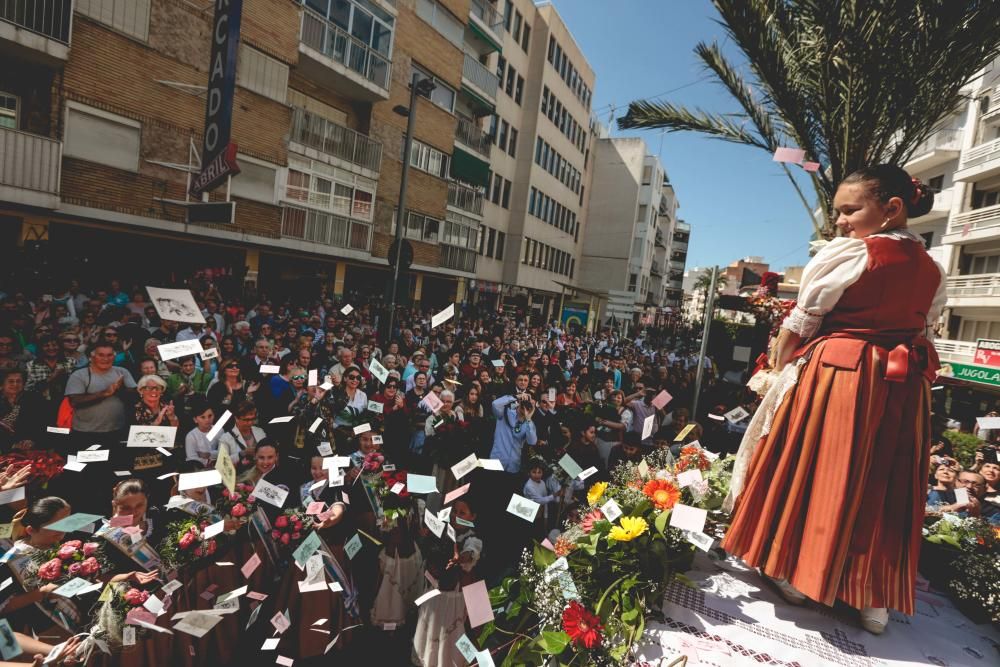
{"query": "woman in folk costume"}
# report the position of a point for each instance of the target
(833, 468)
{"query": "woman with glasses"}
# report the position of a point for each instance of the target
(241, 435)
(150, 410)
(71, 342)
(22, 413)
(229, 388)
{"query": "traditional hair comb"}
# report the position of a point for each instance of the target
(918, 191)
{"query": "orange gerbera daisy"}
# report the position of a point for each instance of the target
(663, 493)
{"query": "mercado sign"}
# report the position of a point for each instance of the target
(969, 373)
(987, 353)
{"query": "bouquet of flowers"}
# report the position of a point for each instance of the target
(44, 464)
(239, 504)
(971, 534)
(112, 616)
(289, 528)
(692, 457)
(71, 559)
(185, 542)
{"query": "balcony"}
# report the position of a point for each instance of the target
(659, 240)
(325, 228)
(679, 246)
(979, 162)
(473, 136)
(459, 259)
(941, 208)
(479, 80)
(974, 290)
(678, 256)
(485, 31)
(319, 138)
(29, 169)
(655, 270)
(464, 197)
(972, 226)
(36, 30)
(334, 58)
(958, 351)
(942, 146)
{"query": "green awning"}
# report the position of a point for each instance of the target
(469, 168)
(484, 104)
(483, 35)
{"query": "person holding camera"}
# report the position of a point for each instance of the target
(514, 428)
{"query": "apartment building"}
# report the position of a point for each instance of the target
(537, 141)
(634, 247)
(101, 118)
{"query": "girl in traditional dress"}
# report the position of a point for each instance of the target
(835, 460)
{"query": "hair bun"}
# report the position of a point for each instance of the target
(922, 200)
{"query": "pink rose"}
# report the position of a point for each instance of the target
(235, 497)
(74, 569)
(90, 548)
(276, 534)
(51, 570)
(67, 551)
(133, 596)
(238, 510)
(145, 595)
(285, 538)
(211, 548)
(251, 498)
(198, 552)
(186, 540)
(89, 567)
(296, 536)
(281, 521)
(76, 544)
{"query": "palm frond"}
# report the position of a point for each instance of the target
(646, 115)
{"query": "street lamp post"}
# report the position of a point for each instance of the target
(422, 87)
(709, 308)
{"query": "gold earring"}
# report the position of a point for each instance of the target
(884, 223)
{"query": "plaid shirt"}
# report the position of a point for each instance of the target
(39, 373)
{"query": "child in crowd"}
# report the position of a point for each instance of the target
(197, 446)
(543, 488)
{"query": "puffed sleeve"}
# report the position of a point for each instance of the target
(834, 268)
(940, 298)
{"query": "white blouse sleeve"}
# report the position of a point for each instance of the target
(940, 298)
(834, 268)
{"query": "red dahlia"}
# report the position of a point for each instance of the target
(582, 626)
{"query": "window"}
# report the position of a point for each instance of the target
(937, 183)
(519, 89)
(318, 185)
(516, 31)
(501, 241)
(431, 160)
(256, 180)
(647, 174)
(497, 188)
(512, 145)
(506, 194)
(482, 242)
(262, 74)
(131, 18)
(545, 98)
(572, 267)
(491, 242)
(509, 87)
(421, 227)
(443, 95)
(527, 251)
(552, 48)
(631, 281)
(363, 20)
(442, 20)
(102, 137)
(531, 201)
(501, 68)
(508, 11)
(8, 110)
(502, 136)
(526, 37)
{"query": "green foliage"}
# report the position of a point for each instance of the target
(965, 446)
(852, 83)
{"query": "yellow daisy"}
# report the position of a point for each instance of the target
(596, 491)
(629, 529)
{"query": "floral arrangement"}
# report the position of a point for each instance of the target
(239, 504)
(769, 309)
(44, 464)
(971, 534)
(71, 559)
(185, 542)
(965, 559)
(976, 586)
(585, 601)
(111, 616)
(378, 485)
(289, 528)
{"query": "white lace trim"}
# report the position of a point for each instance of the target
(760, 426)
(801, 322)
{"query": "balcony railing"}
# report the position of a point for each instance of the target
(955, 350)
(976, 219)
(980, 285)
(465, 197)
(335, 43)
(480, 76)
(336, 140)
(29, 161)
(981, 153)
(473, 136)
(49, 18)
(325, 228)
(682, 227)
(487, 13)
(459, 259)
(942, 140)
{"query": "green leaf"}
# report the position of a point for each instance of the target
(553, 643)
(543, 557)
(619, 652)
(661, 522)
(642, 508)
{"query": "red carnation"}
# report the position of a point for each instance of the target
(285, 538)
(582, 626)
(281, 522)
(186, 540)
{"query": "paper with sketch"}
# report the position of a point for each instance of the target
(177, 305)
(182, 348)
(151, 436)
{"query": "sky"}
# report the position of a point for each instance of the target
(736, 199)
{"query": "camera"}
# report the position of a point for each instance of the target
(989, 454)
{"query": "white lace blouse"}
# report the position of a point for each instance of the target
(837, 266)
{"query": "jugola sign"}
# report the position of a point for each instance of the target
(980, 374)
(218, 155)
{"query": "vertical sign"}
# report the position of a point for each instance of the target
(218, 154)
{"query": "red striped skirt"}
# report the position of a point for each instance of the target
(835, 493)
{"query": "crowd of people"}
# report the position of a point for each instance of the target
(281, 390)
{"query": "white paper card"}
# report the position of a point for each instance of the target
(214, 529)
(689, 518)
(427, 596)
(347, 309)
(375, 406)
(689, 477)
(315, 425)
(611, 510)
(443, 316)
(523, 507)
(363, 428)
(177, 305)
(491, 464)
(92, 456)
(324, 449)
(182, 348)
(12, 495)
(988, 423)
(647, 426)
(269, 369)
(198, 480)
(378, 370)
(961, 496)
(465, 466)
(433, 523)
(737, 414)
(151, 436)
(270, 494)
(587, 473)
(217, 428)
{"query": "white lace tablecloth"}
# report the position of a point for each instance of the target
(733, 619)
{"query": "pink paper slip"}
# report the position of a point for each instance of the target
(477, 603)
(661, 399)
(785, 154)
(252, 563)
